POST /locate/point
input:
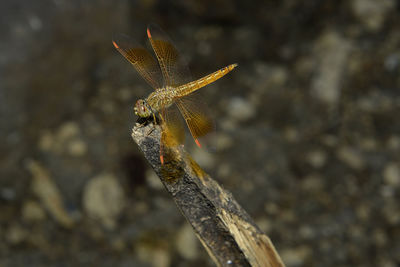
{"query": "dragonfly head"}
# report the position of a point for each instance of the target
(142, 109)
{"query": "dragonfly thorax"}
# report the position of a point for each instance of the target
(142, 109)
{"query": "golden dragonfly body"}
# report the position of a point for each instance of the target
(173, 88)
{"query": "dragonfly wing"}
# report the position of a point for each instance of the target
(198, 119)
(174, 124)
(140, 58)
(173, 66)
(173, 132)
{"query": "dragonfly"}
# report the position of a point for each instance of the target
(174, 98)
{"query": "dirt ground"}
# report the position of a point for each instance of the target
(307, 127)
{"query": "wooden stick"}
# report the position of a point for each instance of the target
(229, 235)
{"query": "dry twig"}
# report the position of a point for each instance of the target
(226, 231)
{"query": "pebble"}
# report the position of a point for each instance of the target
(46, 141)
(312, 183)
(363, 212)
(32, 211)
(153, 180)
(155, 256)
(7, 193)
(125, 94)
(331, 52)
(67, 130)
(380, 237)
(264, 224)
(291, 134)
(66, 139)
(47, 191)
(295, 256)
(391, 174)
(306, 232)
(77, 147)
(204, 158)
(317, 158)
(391, 212)
(393, 143)
(240, 109)
(224, 141)
(351, 157)
(187, 243)
(104, 199)
(372, 13)
(16, 234)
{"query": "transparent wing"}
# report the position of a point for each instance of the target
(175, 126)
(175, 73)
(198, 119)
(173, 66)
(172, 167)
(140, 58)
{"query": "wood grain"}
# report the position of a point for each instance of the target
(229, 235)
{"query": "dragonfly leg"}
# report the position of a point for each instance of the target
(154, 125)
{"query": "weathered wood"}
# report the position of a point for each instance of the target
(227, 232)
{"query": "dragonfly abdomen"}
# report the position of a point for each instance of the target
(210, 78)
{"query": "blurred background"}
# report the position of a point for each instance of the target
(308, 130)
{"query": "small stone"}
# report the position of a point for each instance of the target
(46, 141)
(155, 256)
(306, 232)
(363, 212)
(16, 234)
(391, 213)
(68, 130)
(296, 256)
(312, 183)
(125, 94)
(331, 53)
(291, 134)
(141, 207)
(77, 147)
(224, 141)
(153, 180)
(35, 23)
(118, 244)
(65, 139)
(391, 174)
(392, 62)
(204, 158)
(271, 208)
(317, 158)
(240, 109)
(108, 108)
(104, 199)
(380, 237)
(387, 263)
(264, 224)
(47, 191)
(329, 140)
(32, 212)
(7, 193)
(224, 170)
(372, 13)
(368, 144)
(394, 142)
(278, 76)
(160, 258)
(187, 243)
(351, 157)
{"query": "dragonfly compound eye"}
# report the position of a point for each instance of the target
(142, 109)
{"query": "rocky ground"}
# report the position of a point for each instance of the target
(308, 130)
